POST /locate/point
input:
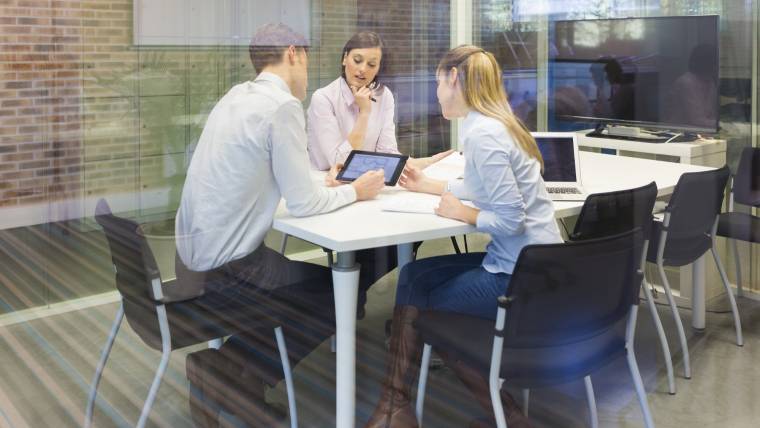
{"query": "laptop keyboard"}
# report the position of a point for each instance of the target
(564, 190)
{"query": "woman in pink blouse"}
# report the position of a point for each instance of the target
(355, 111)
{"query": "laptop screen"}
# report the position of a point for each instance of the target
(559, 158)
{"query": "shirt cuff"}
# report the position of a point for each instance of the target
(341, 153)
(348, 192)
(485, 220)
(456, 187)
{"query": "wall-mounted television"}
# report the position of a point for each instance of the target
(658, 72)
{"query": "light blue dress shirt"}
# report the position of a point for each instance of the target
(505, 184)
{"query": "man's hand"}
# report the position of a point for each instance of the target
(330, 180)
(369, 184)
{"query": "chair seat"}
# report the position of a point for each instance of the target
(741, 226)
(204, 318)
(470, 339)
(687, 250)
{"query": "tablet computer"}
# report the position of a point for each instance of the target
(360, 161)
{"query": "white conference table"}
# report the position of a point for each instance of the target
(364, 225)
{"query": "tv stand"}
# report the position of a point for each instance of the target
(632, 133)
(708, 152)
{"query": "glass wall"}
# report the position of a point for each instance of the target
(107, 100)
(521, 34)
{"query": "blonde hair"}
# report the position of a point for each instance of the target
(483, 89)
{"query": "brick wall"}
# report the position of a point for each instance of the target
(40, 101)
(83, 113)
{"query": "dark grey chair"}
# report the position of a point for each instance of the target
(738, 226)
(612, 213)
(686, 232)
(166, 326)
(560, 320)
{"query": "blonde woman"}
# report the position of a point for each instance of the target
(502, 177)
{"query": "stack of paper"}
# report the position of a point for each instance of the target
(412, 202)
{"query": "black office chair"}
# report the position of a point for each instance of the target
(686, 232)
(612, 213)
(559, 321)
(738, 226)
(162, 325)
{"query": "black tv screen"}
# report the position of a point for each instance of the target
(652, 72)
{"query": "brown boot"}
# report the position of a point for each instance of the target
(403, 362)
(477, 383)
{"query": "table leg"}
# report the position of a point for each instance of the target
(345, 274)
(404, 254)
(698, 294)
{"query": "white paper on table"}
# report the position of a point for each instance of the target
(410, 202)
(449, 168)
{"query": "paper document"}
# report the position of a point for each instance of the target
(449, 168)
(410, 202)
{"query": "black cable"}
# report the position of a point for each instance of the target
(564, 226)
(466, 249)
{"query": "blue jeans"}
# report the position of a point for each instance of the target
(454, 283)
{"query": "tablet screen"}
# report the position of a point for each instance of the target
(359, 162)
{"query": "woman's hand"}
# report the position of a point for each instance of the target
(438, 156)
(330, 180)
(451, 207)
(362, 97)
(412, 178)
(423, 163)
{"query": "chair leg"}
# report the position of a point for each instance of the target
(731, 299)
(102, 364)
(422, 383)
(591, 402)
(639, 385)
(154, 387)
(288, 376)
(738, 266)
(526, 400)
(677, 319)
(166, 350)
(663, 339)
(455, 244)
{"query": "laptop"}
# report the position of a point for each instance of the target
(562, 171)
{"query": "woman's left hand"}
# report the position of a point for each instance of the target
(451, 207)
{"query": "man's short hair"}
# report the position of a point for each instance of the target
(269, 43)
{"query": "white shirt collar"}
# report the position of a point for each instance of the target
(266, 76)
(348, 95)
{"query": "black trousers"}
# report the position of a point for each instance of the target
(297, 296)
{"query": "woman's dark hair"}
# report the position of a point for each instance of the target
(365, 40)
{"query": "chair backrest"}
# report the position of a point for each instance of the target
(567, 293)
(136, 270)
(696, 201)
(747, 179)
(612, 213)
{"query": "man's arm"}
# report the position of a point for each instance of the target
(290, 166)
